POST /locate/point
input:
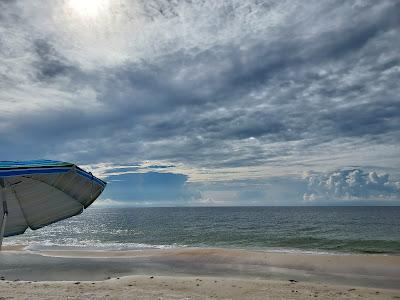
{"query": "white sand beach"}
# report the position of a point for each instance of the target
(187, 287)
(195, 273)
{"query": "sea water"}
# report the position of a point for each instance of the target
(314, 229)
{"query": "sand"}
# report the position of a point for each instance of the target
(179, 287)
(196, 273)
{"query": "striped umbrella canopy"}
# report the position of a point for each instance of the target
(41, 192)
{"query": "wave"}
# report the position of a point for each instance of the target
(92, 245)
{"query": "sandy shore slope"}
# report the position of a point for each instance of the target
(177, 287)
(195, 273)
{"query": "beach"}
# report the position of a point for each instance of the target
(195, 273)
(178, 287)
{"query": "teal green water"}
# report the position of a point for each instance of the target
(317, 229)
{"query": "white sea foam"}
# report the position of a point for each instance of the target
(95, 245)
(301, 251)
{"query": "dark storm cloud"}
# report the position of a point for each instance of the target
(50, 63)
(366, 119)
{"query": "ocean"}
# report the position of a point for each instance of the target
(282, 229)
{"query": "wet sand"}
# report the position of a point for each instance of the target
(196, 273)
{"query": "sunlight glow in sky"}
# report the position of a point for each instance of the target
(89, 8)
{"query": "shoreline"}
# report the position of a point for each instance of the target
(95, 249)
(365, 269)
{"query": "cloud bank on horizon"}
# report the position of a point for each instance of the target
(351, 185)
(229, 102)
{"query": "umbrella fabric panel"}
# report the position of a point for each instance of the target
(42, 204)
(81, 188)
(16, 223)
(70, 183)
(90, 194)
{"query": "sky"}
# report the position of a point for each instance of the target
(203, 103)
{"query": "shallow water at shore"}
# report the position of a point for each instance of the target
(382, 271)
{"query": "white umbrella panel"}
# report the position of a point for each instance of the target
(41, 192)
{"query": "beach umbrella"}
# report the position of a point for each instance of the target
(41, 192)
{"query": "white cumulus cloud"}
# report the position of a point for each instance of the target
(353, 184)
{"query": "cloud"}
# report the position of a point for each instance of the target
(49, 63)
(109, 203)
(275, 191)
(353, 184)
(212, 90)
(152, 187)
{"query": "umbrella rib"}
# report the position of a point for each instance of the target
(57, 188)
(20, 206)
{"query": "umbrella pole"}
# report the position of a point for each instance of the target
(5, 210)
